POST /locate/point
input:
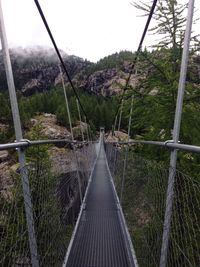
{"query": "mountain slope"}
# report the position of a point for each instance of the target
(36, 70)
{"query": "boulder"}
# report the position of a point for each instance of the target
(4, 155)
(6, 181)
(31, 87)
(118, 136)
(49, 126)
(82, 126)
(108, 82)
(3, 127)
(62, 160)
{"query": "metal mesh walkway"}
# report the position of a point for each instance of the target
(100, 239)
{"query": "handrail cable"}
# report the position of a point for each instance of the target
(27, 143)
(167, 144)
(59, 55)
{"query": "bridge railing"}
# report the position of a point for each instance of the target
(58, 177)
(142, 187)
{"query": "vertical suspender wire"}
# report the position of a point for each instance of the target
(90, 146)
(126, 151)
(85, 150)
(112, 150)
(88, 150)
(176, 133)
(58, 52)
(87, 132)
(79, 114)
(114, 126)
(120, 115)
(78, 175)
(66, 103)
(138, 51)
(72, 135)
(112, 131)
(119, 125)
(21, 154)
(111, 144)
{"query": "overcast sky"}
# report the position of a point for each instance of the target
(90, 29)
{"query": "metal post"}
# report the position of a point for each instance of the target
(18, 133)
(71, 130)
(126, 152)
(176, 132)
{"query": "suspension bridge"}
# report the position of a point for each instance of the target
(109, 207)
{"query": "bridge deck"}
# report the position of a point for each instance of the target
(100, 240)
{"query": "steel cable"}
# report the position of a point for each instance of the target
(59, 55)
(137, 54)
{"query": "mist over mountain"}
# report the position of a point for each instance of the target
(36, 69)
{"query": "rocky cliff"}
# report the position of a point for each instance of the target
(36, 70)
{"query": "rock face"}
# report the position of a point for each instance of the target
(36, 70)
(4, 155)
(101, 82)
(118, 136)
(49, 127)
(6, 181)
(64, 165)
(107, 82)
(80, 129)
(3, 127)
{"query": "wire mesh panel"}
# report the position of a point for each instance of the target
(53, 177)
(14, 247)
(143, 203)
(184, 248)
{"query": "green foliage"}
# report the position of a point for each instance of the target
(100, 110)
(37, 154)
(170, 22)
(113, 61)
